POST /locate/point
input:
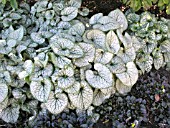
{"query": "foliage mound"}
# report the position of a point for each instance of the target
(53, 56)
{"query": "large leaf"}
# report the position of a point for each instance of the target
(117, 65)
(103, 57)
(41, 89)
(127, 55)
(165, 46)
(121, 88)
(101, 77)
(94, 19)
(65, 78)
(76, 52)
(77, 29)
(56, 103)
(83, 98)
(37, 37)
(99, 97)
(69, 13)
(62, 46)
(130, 76)
(3, 91)
(59, 61)
(3, 104)
(112, 42)
(74, 88)
(89, 52)
(96, 37)
(106, 23)
(10, 114)
(118, 16)
(5, 47)
(14, 4)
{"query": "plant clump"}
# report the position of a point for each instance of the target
(50, 58)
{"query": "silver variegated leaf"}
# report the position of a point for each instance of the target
(118, 16)
(102, 56)
(74, 88)
(3, 91)
(75, 3)
(158, 60)
(41, 89)
(56, 103)
(96, 37)
(117, 65)
(83, 99)
(37, 37)
(112, 42)
(77, 29)
(144, 62)
(127, 55)
(62, 46)
(17, 34)
(59, 61)
(89, 52)
(100, 78)
(76, 52)
(10, 114)
(106, 23)
(94, 19)
(3, 104)
(69, 13)
(99, 97)
(65, 78)
(121, 88)
(130, 76)
(165, 46)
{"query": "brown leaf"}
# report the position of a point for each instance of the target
(157, 97)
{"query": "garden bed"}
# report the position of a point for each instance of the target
(146, 105)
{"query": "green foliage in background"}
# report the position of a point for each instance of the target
(146, 4)
(13, 3)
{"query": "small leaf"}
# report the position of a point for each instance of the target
(157, 97)
(17, 34)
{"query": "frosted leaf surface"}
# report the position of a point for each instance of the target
(56, 103)
(100, 78)
(83, 98)
(130, 76)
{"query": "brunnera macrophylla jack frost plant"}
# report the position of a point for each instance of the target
(50, 56)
